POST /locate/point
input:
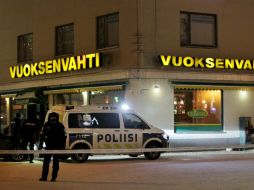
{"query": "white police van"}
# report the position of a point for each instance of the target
(106, 127)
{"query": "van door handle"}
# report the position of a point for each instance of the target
(117, 130)
(126, 130)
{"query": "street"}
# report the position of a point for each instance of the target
(175, 171)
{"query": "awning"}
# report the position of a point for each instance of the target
(25, 95)
(26, 98)
(8, 95)
(82, 89)
(212, 86)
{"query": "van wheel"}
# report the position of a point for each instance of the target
(152, 155)
(80, 157)
(18, 157)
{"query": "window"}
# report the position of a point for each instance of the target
(132, 121)
(94, 120)
(112, 97)
(108, 30)
(25, 47)
(74, 99)
(65, 39)
(95, 97)
(3, 114)
(197, 110)
(198, 30)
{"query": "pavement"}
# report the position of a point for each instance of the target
(206, 170)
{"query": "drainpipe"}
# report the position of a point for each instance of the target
(140, 36)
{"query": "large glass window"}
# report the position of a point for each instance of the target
(198, 30)
(25, 47)
(94, 120)
(65, 39)
(94, 97)
(69, 99)
(108, 30)
(3, 115)
(112, 97)
(197, 110)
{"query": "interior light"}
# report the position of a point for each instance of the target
(85, 97)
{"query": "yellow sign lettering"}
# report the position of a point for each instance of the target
(56, 66)
(177, 63)
(13, 71)
(19, 71)
(199, 61)
(90, 59)
(247, 65)
(48, 67)
(188, 62)
(165, 61)
(229, 63)
(33, 69)
(41, 67)
(239, 65)
(72, 64)
(209, 63)
(81, 62)
(219, 64)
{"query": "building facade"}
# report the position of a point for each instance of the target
(185, 66)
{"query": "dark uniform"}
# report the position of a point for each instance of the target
(53, 134)
(29, 135)
(15, 130)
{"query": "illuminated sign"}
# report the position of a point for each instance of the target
(82, 62)
(209, 63)
(197, 113)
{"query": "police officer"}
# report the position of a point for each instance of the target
(29, 134)
(53, 134)
(15, 130)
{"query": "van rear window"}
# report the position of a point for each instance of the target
(94, 120)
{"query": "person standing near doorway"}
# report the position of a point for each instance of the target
(15, 130)
(29, 134)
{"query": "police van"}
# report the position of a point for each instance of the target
(107, 127)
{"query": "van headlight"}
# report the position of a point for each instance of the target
(165, 136)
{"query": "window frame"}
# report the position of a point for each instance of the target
(105, 45)
(221, 123)
(24, 59)
(56, 40)
(215, 35)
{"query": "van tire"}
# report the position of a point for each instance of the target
(80, 157)
(18, 157)
(153, 155)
